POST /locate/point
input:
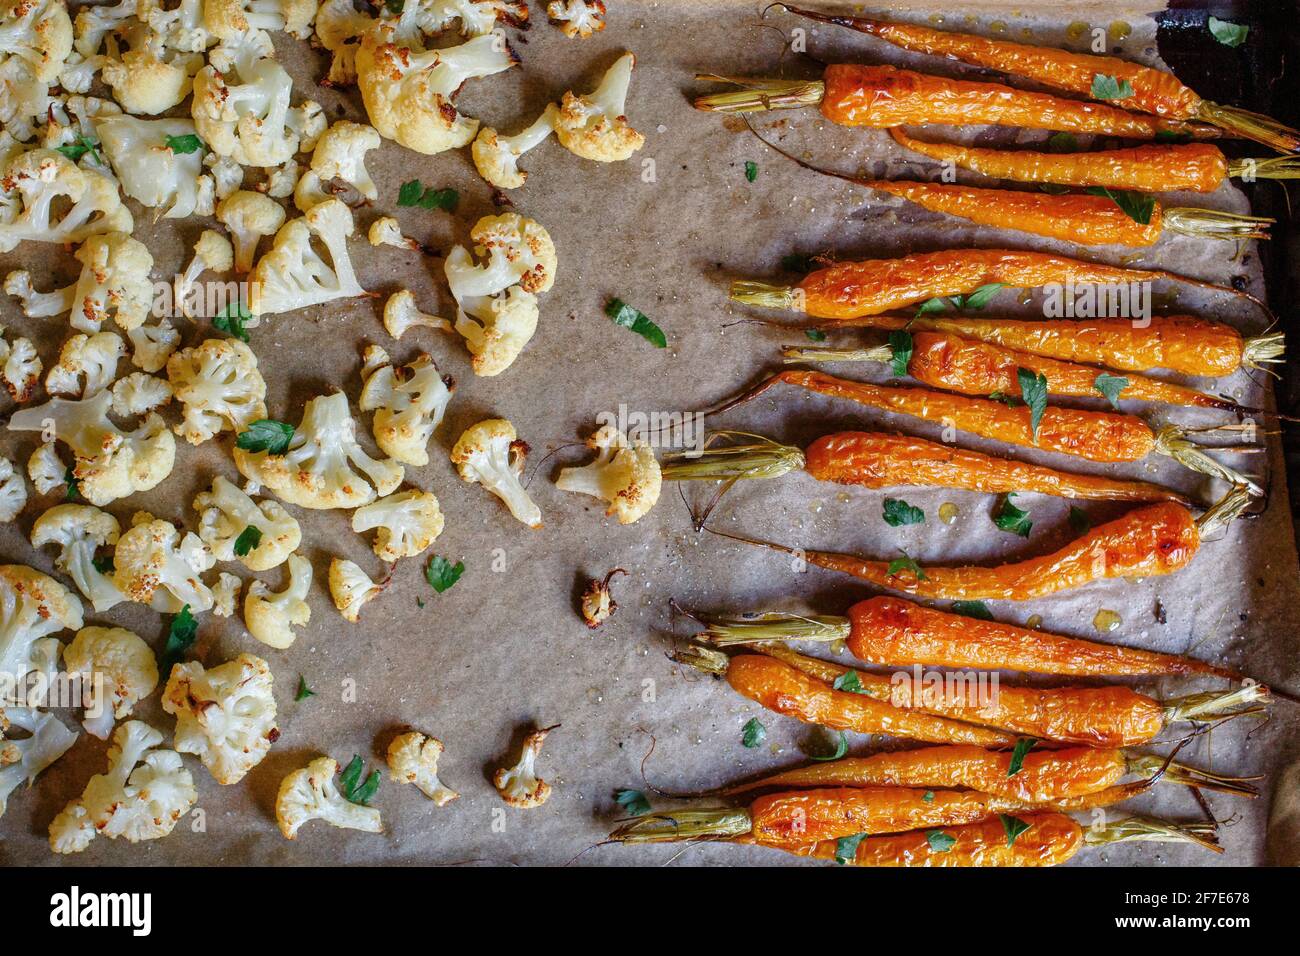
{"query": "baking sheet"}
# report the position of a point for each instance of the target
(504, 648)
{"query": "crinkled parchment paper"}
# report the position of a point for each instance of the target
(504, 648)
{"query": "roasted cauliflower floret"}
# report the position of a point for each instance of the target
(316, 469)
(491, 454)
(519, 785)
(408, 404)
(225, 516)
(271, 617)
(151, 172)
(32, 607)
(23, 758)
(624, 474)
(401, 315)
(351, 588)
(89, 358)
(577, 18)
(339, 26)
(114, 283)
(413, 758)
(38, 304)
(148, 77)
(594, 126)
(37, 34)
(47, 472)
(249, 216)
(220, 387)
(45, 197)
(476, 17)
(212, 253)
(230, 19)
(13, 492)
(20, 368)
(124, 666)
(496, 157)
(408, 523)
(310, 794)
(293, 275)
(79, 531)
(139, 393)
(110, 463)
(386, 231)
(225, 715)
(408, 92)
(141, 796)
(153, 345)
(340, 154)
(225, 594)
(154, 564)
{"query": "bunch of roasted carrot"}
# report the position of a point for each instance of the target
(1000, 770)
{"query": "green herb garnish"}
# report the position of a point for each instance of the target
(937, 304)
(900, 351)
(753, 733)
(980, 297)
(1010, 518)
(441, 573)
(976, 609)
(1228, 33)
(103, 565)
(180, 635)
(231, 320)
(1033, 391)
(265, 434)
(80, 147)
(630, 318)
(1110, 386)
(1079, 520)
(181, 145)
(73, 493)
(1013, 826)
(1023, 746)
(1137, 206)
(898, 512)
(633, 802)
(846, 848)
(849, 683)
(815, 335)
(1109, 88)
(906, 563)
(350, 785)
(751, 170)
(303, 690)
(414, 193)
(248, 539)
(939, 841)
(841, 748)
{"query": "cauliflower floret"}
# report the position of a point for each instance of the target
(46, 470)
(212, 253)
(24, 758)
(20, 368)
(226, 514)
(13, 492)
(270, 617)
(401, 314)
(220, 387)
(281, 180)
(75, 122)
(577, 18)
(142, 802)
(126, 667)
(93, 356)
(407, 406)
(227, 175)
(155, 565)
(624, 474)
(32, 606)
(36, 305)
(110, 463)
(37, 34)
(497, 301)
(340, 154)
(229, 19)
(35, 183)
(477, 17)
(413, 758)
(408, 93)
(293, 276)
(593, 126)
(310, 794)
(147, 78)
(385, 231)
(80, 530)
(153, 345)
(408, 523)
(151, 172)
(114, 279)
(351, 588)
(181, 27)
(338, 27)
(496, 157)
(225, 594)
(315, 471)
(490, 454)
(224, 715)
(139, 393)
(519, 785)
(249, 216)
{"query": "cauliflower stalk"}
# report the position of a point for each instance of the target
(23, 758)
(593, 125)
(310, 794)
(13, 492)
(293, 275)
(79, 531)
(32, 607)
(408, 523)
(413, 758)
(225, 715)
(155, 565)
(496, 157)
(519, 785)
(220, 387)
(351, 588)
(339, 154)
(249, 216)
(124, 667)
(212, 253)
(271, 617)
(151, 172)
(401, 314)
(624, 474)
(408, 404)
(225, 515)
(93, 358)
(229, 19)
(490, 454)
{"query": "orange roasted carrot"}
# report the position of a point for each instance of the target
(1044, 776)
(1153, 540)
(1137, 87)
(848, 290)
(947, 361)
(1049, 840)
(1189, 167)
(898, 633)
(1179, 343)
(881, 96)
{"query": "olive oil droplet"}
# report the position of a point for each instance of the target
(1076, 29)
(948, 512)
(1105, 621)
(1034, 622)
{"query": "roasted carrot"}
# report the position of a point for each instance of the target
(848, 290)
(1153, 540)
(1111, 716)
(786, 690)
(1044, 776)
(1092, 435)
(947, 361)
(1179, 343)
(1188, 167)
(1050, 840)
(898, 633)
(1148, 90)
(881, 96)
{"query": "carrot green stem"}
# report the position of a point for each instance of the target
(701, 658)
(755, 95)
(766, 295)
(1256, 126)
(1211, 704)
(1171, 441)
(774, 626)
(718, 824)
(1150, 764)
(1269, 167)
(1263, 349)
(797, 353)
(1212, 224)
(763, 458)
(1140, 829)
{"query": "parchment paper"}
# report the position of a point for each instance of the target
(504, 648)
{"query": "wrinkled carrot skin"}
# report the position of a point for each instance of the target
(793, 819)
(1190, 167)
(1052, 839)
(1080, 218)
(890, 631)
(1179, 343)
(1154, 91)
(1153, 540)
(1095, 436)
(1087, 716)
(877, 460)
(884, 96)
(784, 690)
(1045, 775)
(950, 362)
(846, 290)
